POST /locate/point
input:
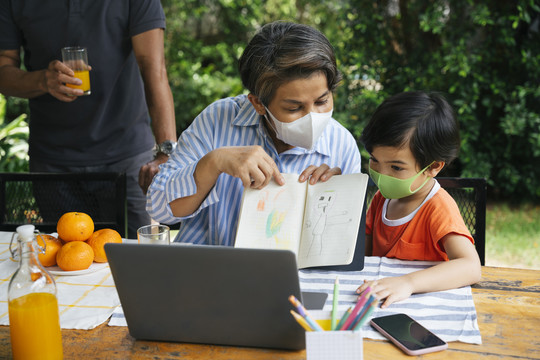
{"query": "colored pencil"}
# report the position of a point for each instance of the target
(360, 323)
(362, 312)
(302, 310)
(363, 298)
(335, 304)
(300, 320)
(344, 318)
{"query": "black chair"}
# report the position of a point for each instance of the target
(41, 198)
(470, 196)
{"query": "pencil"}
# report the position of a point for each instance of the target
(360, 323)
(335, 304)
(362, 312)
(299, 319)
(344, 318)
(363, 298)
(302, 310)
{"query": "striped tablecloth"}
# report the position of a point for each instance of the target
(450, 314)
(85, 301)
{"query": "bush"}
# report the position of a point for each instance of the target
(13, 142)
(484, 56)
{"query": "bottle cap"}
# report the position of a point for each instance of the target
(26, 232)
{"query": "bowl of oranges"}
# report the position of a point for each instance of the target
(77, 249)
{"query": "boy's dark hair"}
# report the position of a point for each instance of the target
(425, 120)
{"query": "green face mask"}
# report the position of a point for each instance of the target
(394, 188)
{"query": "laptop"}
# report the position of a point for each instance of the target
(208, 294)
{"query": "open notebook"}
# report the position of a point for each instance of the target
(323, 224)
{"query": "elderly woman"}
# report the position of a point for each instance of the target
(284, 125)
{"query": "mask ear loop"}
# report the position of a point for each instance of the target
(425, 182)
(270, 120)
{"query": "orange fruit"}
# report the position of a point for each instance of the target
(52, 245)
(75, 226)
(98, 240)
(75, 255)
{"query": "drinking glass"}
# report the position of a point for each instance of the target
(76, 57)
(154, 234)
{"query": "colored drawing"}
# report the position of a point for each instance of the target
(262, 200)
(274, 222)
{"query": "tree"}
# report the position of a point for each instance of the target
(483, 55)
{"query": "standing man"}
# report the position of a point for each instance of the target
(108, 130)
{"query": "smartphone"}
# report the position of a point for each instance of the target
(408, 335)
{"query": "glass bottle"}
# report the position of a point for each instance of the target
(34, 322)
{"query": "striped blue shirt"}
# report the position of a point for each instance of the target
(233, 122)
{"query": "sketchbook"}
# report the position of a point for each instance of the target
(319, 223)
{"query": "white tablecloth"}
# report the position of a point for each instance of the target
(85, 301)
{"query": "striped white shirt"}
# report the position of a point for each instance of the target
(233, 122)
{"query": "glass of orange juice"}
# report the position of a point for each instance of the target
(76, 57)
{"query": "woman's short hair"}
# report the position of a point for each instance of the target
(281, 52)
(423, 120)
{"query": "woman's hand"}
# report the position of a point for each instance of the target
(392, 289)
(251, 164)
(321, 173)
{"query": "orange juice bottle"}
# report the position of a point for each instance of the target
(32, 304)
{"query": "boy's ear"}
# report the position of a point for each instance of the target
(434, 168)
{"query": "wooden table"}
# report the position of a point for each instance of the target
(507, 302)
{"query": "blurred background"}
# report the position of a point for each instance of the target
(483, 56)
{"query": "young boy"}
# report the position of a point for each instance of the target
(410, 138)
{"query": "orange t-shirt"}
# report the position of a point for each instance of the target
(419, 238)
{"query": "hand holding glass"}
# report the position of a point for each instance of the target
(76, 58)
(154, 234)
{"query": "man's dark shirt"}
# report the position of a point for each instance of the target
(113, 122)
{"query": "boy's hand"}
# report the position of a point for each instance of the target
(392, 289)
(318, 173)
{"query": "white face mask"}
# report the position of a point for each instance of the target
(303, 132)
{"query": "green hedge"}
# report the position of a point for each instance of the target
(484, 56)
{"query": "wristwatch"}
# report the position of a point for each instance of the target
(166, 147)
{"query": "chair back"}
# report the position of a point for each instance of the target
(41, 198)
(470, 196)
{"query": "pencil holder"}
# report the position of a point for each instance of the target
(334, 345)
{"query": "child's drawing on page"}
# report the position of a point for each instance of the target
(323, 217)
(275, 207)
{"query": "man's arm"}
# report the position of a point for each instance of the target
(29, 84)
(149, 52)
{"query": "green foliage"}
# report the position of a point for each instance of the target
(484, 56)
(203, 41)
(13, 142)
